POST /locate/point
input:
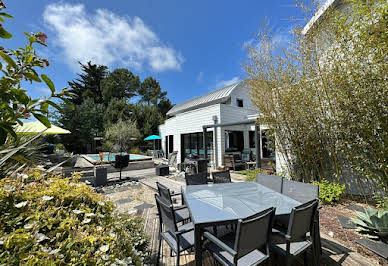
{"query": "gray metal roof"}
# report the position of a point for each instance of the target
(217, 96)
(318, 15)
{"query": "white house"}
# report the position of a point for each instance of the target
(183, 130)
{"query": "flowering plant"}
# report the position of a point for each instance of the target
(50, 220)
(18, 65)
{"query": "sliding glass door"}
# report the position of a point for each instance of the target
(192, 144)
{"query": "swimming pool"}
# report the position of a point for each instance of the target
(108, 157)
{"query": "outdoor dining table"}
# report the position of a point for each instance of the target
(220, 204)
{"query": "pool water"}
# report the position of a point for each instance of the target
(111, 157)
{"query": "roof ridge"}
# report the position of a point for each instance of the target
(217, 90)
(186, 104)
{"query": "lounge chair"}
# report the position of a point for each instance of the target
(172, 159)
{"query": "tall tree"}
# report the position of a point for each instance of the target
(121, 83)
(148, 118)
(85, 122)
(151, 92)
(164, 106)
(88, 83)
(118, 109)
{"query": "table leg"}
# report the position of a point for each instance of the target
(198, 245)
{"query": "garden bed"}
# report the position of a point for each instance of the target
(330, 225)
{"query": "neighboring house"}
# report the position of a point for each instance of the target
(183, 130)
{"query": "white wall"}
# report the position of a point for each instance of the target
(192, 121)
(188, 122)
(241, 92)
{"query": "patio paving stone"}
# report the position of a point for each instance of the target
(108, 191)
(123, 201)
(346, 222)
(355, 208)
(144, 206)
(121, 189)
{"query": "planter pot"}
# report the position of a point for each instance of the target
(101, 176)
(121, 161)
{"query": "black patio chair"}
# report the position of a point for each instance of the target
(181, 212)
(248, 246)
(221, 177)
(294, 241)
(179, 238)
(196, 179)
(302, 192)
(273, 182)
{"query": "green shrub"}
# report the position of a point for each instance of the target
(135, 150)
(48, 220)
(329, 192)
(59, 147)
(251, 175)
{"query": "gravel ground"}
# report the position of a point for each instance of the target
(129, 195)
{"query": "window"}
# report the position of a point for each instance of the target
(192, 143)
(240, 103)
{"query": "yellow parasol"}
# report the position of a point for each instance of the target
(37, 127)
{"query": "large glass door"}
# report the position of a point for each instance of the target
(192, 144)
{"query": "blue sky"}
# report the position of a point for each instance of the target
(190, 47)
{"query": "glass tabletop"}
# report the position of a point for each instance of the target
(232, 201)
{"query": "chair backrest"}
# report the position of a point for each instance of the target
(301, 220)
(254, 232)
(172, 158)
(166, 215)
(246, 155)
(196, 179)
(164, 193)
(229, 160)
(302, 192)
(221, 177)
(271, 181)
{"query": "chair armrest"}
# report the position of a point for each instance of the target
(219, 243)
(280, 233)
(183, 231)
(175, 193)
(180, 207)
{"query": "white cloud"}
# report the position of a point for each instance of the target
(200, 76)
(223, 83)
(106, 38)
